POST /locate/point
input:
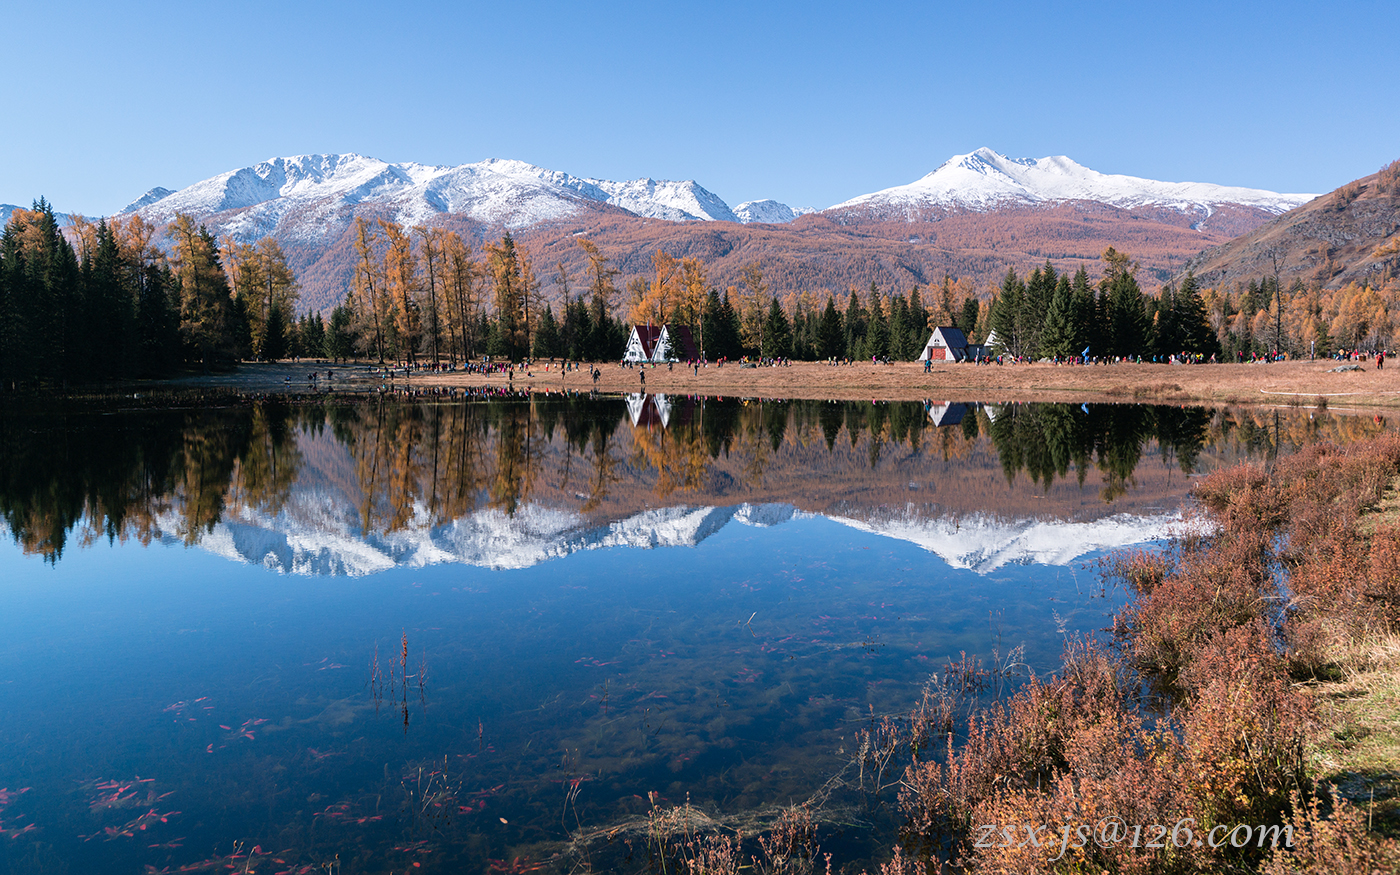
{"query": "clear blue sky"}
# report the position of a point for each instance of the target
(808, 103)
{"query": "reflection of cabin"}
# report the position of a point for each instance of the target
(947, 413)
(646, 411)
(945, 344)
(664, 343)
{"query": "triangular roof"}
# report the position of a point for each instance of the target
(953, 338)
(681, 343)
(647, 336)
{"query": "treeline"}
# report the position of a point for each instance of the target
(109, 300)
(1055, 316)
(104, 301)
(176, 468)
(1261, 316)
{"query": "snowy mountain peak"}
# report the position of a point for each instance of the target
(985, 179)
(768, 212)
(147, 199)
(322, 188)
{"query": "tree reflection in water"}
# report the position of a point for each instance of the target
(174, 471)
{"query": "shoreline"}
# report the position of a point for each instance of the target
(1278, 384)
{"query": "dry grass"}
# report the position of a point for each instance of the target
(1358, 747)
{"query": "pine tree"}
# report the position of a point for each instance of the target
(340, 340)
(918, 319)
(777, 333)
(1057, 336)
(901, 337)
(1084, 315)
(1191, 320)
(967, 319)
(212, 329)
(1129, 327)
(111, 308)
(877, 333)
(1006, 310)
(274, 347)
(547, 336)
(854, 325)
(830, 340)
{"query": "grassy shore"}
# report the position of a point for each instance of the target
(1278, 384)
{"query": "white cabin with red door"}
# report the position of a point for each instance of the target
(945, 344)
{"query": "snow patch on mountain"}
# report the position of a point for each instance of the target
(983, 543)
(147, 199)
(312, 197)
(985, 179)
(768, 212)
(315, 535)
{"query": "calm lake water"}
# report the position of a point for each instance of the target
(492, 635)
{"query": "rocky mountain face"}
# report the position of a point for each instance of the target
(1349, 235)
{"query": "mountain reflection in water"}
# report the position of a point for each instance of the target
(489, 687)
(354, 486)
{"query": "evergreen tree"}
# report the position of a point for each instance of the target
(547, 341)
(1035, 305)
(274, 344)
(157, 321)
(1191, 320)
(339, 342)
(830, 339)
(726, 332)
(1084, 315)
(1006, 310)
(110, 308)
(777, 333)
(312, 336)
(901, 337)
(854, 325)
(1057, 335)
(967, 320)
(918, 320)
(877, 332)
(1129, 327)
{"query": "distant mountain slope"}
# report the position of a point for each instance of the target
(1349, 235)
(975, 216)
(986, 180)
(511, 194)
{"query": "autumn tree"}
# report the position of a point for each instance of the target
(401, 288)
(260, 276)
(209, 324)
(431, 254)
(512, 334)
(753, 306)
(601, 293)
(368, 301)
(462, 281)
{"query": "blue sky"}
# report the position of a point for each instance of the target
(808, 103)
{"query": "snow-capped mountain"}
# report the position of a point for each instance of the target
(768, 212)
(320, 537)
(7, 210)
(308, 190)
(985, 179)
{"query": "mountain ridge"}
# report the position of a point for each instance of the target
(1011, 213)
(1351, 234)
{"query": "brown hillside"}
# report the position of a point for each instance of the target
(834, 250)
(840, 251)
(1349, 235)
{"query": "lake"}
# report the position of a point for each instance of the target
(502, 634)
